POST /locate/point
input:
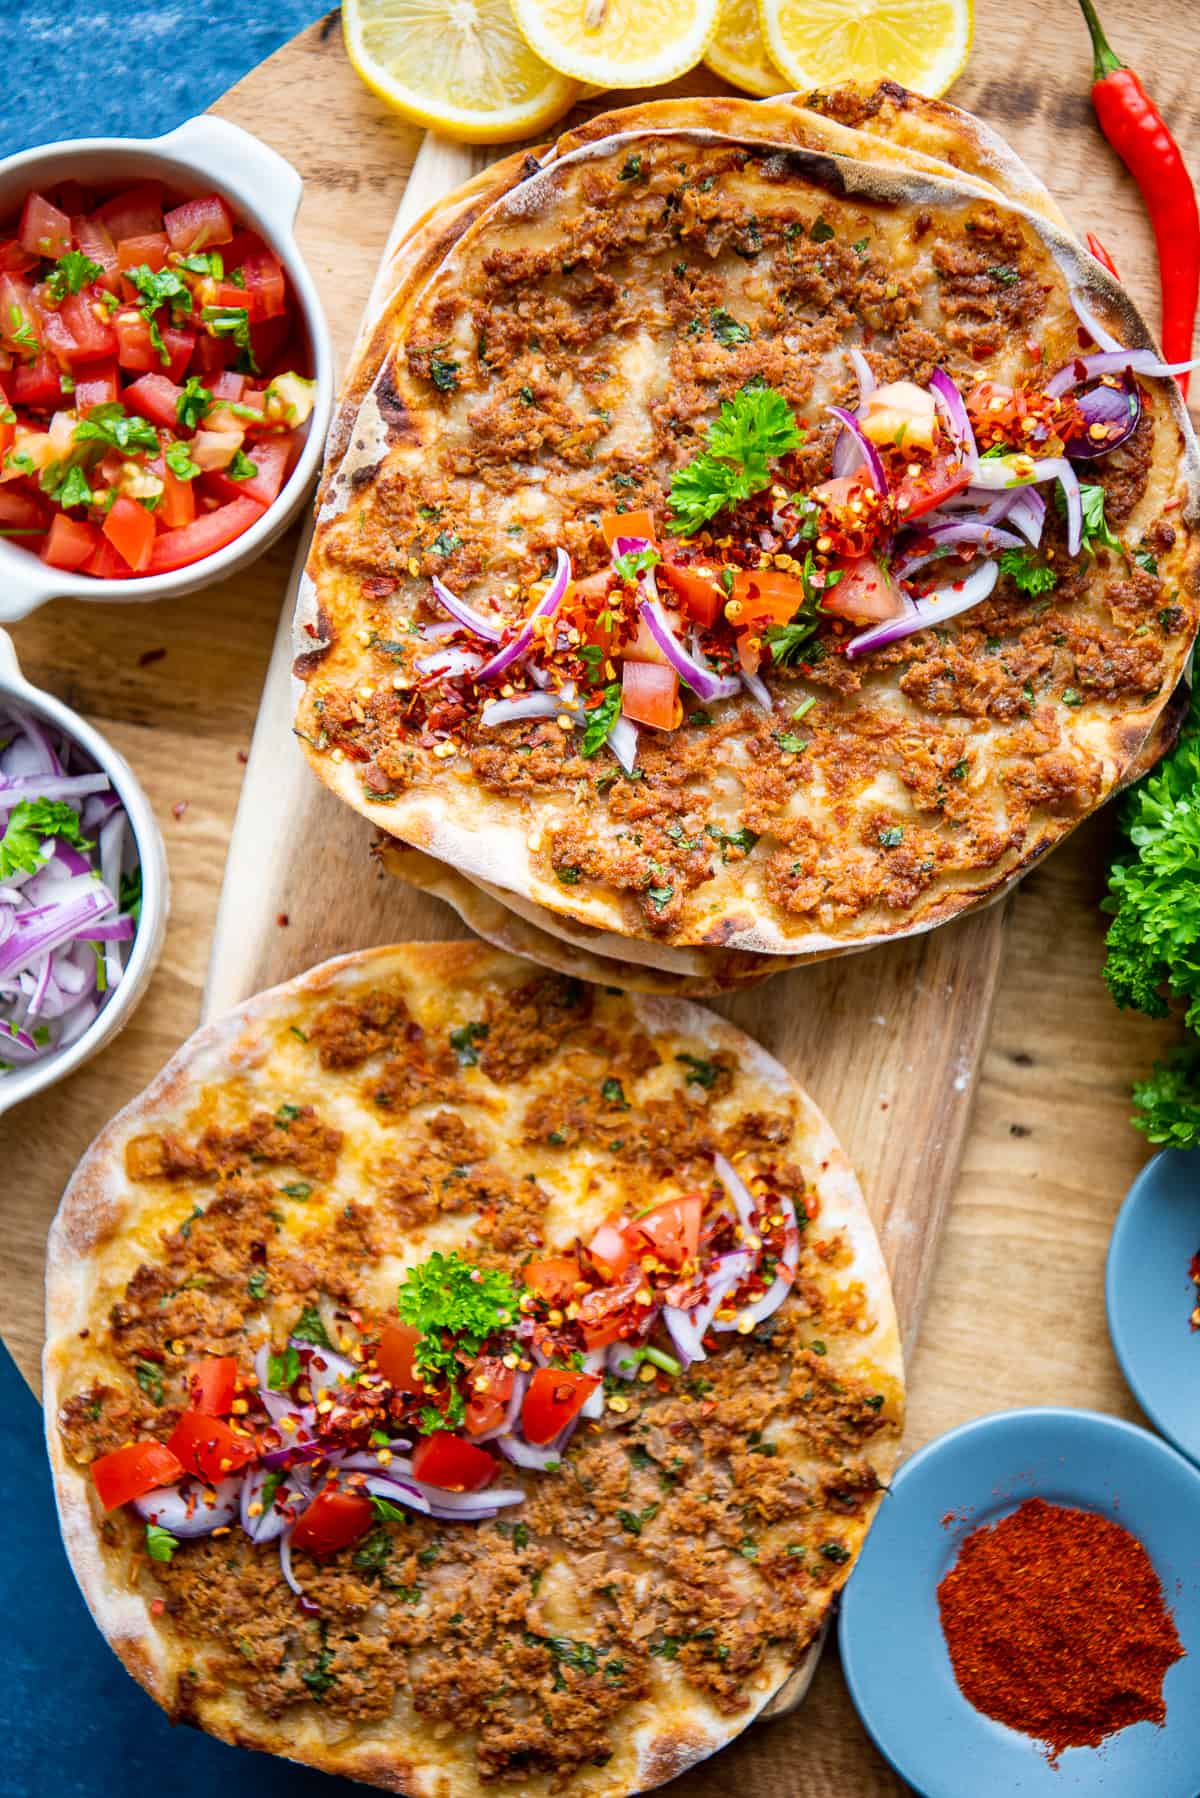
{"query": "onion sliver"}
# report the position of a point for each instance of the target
(704, 684)
(933, 608)
(594, 1363)
(869, 454)
(1091, 324)
(449, 664)
(952, 406)
(191, 1508)
(469, 1504)
(397, 1491)
(1113, 361)
(758, 690)
(985, 538)
(1113, 409)
(265, 1525)
(466, 615)
(623, 741)
(546, 607)
(739, 1192)
(864, 374)
(779, 1288)
(515, 711)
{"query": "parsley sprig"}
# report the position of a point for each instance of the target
(29, 826)
(456, 1307)
(752, 431)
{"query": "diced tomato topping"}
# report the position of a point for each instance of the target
(130, 530)
(864, 595)
(137, 252)
(70, 543)
(394, 1356)
(126, 1473)
(212, 1384)
(96, 384)
(627, 524)
(700, 593)
(766, 596)
(266, 284)
(21, 511)
(94, 241)
(90, 336)
(135, 213)
(939, 481)
(153, 396)
(228, 385)
(178, 504)
(610, 1250)
(137, 352)
(489, 1388)
(611, 1312)
(15, 260)
(555, 1396)
(209, 1448)
(211, 355)
(672, 1230)
(333, 1520)
(270, 458)
(44, 230)
(445, 1460)
(175, 549)
(107, 565)
(199, 224)
(39, 384)
(650, 694)
(553, 1278)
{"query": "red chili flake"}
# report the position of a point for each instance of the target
(312, 630)
(282, 919)
(243, 756)
(157, 1606)
(150, 655)
(180, 806)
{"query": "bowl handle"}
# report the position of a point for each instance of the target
(239, 162)
(10, 668)
(25, 584)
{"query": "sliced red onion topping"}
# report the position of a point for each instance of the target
(621, 1359)
(1091, 324)
(516, 1399)
(466, 615)
(546, 607)
(1113, 360)
(1110, 415)
(399, 1491)
(623, 741)
(322, 1367)
(779, 1288)
(744, 1202)
(1027, 513)
(704, 684)
(984, 537)
(1057, 468)
(285, 1562)
(687, 1328)
(867, 451)
(594, 1362)
(952, 406)
(864, 374)
(526, 1454)
(515, 711)
(449, 664)
(758, 690)
(266, 1525)
(468, 1505)
(191, 1508)
(934, 608)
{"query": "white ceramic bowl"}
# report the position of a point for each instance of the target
(23, 1081)
(203, 155)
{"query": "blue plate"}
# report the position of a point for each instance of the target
(893, 1651)
(1150, 1296)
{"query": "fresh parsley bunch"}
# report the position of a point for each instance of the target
(456, 1307)
(1153, 944)
(751, 431)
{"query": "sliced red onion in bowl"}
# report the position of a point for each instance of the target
(191, 1508)
(952, 406)
(932, 609)
(466, 615)
(867, 453)
(706, 685)
(546, 607)
(782, 1284)
(1113, 411)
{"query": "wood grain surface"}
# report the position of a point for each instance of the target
(1015, 1309)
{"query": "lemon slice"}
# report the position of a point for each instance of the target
(459, 66)
(738, 54)
(923, 44)
(618, 43)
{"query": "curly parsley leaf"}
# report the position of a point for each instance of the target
(29, 825)
(456, 1307)
(1027, 573)
(635, 562)
(600, 721)
(751, 431)
(309, 1328)
(70, 274)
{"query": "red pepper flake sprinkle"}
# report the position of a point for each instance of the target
(1056, 1626)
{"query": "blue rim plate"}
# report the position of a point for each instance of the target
(1150, 1296)
(893, 1652)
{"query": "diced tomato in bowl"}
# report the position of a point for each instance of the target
(149, 412)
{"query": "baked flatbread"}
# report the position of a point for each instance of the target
(640, 1602)
(930, 774)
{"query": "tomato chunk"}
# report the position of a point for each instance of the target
(671, 1230)
(96, 384)
(199, 224)
(155, 397)
(44, 230)
(137, 212)
(106, 564)
(650, 694)
(126, 1473)
(445, 1460)
(611, 1312)
(266, 285)
(394, 1356)
(143, 252)
(700, 592)
(178, 504)
(91, 337)
(864, 595)
(22, 511)
(333, 1520)
(627, 524)
(489, 1388)
(39, 384)
(93, 239)
(766, 596)
(70, 543)
(212, 1384)
(610, 1250)
(555, 1396)
(939, 481)
(553, 1278)
(270, 457)
(209, 1448)
(130, 530)
(176, 549)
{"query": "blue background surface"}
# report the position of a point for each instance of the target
(72, 1722)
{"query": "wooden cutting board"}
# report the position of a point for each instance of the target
(894, 1045)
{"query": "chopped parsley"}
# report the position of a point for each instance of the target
(178, 458)
(283, 1370)
(821, 231)
(1026, 572)
(445, 543)
(1145, 560)
(1002, 273)
(456, 1307)
(743, 839)
(613, 1093)
(751, 431)
(635, 562)
(634, 1521)
(726, 329)
(30, 824)
(241, 468)
(160, 1543)
(443, 373)
(309, 1328)
(892, 837)
(109, 424)
(465, 1040)
(234, 322)
(149, 1377)
(193, 405)
(70, 273)
(700, 1072)
(256, 1285)
(632, 167)
(600, 720)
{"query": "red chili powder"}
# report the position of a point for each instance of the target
(1056, 1625)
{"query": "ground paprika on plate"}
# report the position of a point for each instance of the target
(1056, 1625)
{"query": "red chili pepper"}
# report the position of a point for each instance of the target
(1101, 254)
(1138, 133)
